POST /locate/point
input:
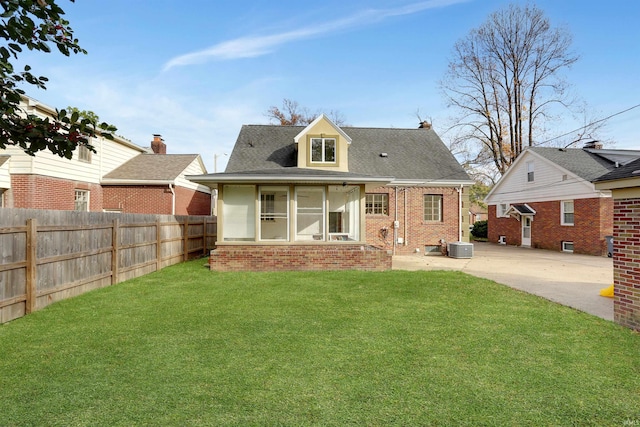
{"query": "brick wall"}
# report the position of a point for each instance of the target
(43, 192)
(192, 202)
(156, 199)
(418, 233)
(299, 258)
(626, 262)
(141, 199)
(593, 220)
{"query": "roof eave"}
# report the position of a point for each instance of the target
(117, 181)
(429, 183)
(214, 179)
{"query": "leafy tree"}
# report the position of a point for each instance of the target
(477, 192)
(38, 25)
(291, 114)
(505, 79)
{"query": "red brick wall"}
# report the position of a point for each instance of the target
(418, 233)
(626, 262)
(298, 258)
(156, 199)
(592, 222)
(142, 199)
(508, 227)
(43, 192)
(191, 202)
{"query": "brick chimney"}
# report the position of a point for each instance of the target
(157, 145)
(594, 145)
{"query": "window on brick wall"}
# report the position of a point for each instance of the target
(81, 200)
(567, 246)
(432, 207)
(501, 210)
(566, 214)
(377, 204)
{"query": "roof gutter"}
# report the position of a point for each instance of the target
(109, 181)
(284, 178)
(422, 183)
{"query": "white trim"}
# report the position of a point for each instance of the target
(306, 130)
(562, 212)
(564, 247)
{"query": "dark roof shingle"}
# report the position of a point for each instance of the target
(153, 167)
(411, 153)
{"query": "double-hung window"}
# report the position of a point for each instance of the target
(323, 150)
(433, 207)
(530, 172)
(566, 212)
(81, 200)
(501, 210)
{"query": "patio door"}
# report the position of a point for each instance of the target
(526, 230)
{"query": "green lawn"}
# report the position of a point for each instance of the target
(186, 346)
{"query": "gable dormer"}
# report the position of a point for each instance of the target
(323, 145)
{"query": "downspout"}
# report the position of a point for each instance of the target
(460, 213)
(395, 221)
(173, 200)
(405, 217)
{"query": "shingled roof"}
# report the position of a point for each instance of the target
(585, 164)
(152, 167)
(411, 154)
(630, 170)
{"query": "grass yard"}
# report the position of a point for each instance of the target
(186, 346)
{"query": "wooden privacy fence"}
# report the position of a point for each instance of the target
(46, 256)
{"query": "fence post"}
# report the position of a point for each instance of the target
(158, 245)
(31, 284)
(205, 227)
(115, 238)
(185, 243)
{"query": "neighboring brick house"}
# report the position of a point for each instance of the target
(546, 200)
(326, 197)
(624, 184)
(156, 183)
(48, 181)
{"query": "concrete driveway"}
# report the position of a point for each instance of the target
(569, 279)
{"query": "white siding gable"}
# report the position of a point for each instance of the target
(551, 182)
(196, 167)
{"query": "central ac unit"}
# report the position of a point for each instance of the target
(460, 250)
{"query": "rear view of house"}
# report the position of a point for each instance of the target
(330, 197)
(547, 200)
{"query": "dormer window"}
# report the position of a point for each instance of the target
(323, 150)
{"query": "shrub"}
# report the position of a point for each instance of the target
(480, 229)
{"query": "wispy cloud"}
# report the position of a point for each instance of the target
(249, 47)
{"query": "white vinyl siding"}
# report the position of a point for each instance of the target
(551, 183)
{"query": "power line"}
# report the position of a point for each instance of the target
(590, 124)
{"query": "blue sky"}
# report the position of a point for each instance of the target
(196, 71)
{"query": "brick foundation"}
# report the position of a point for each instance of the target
(299, 258)
(626, 262)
